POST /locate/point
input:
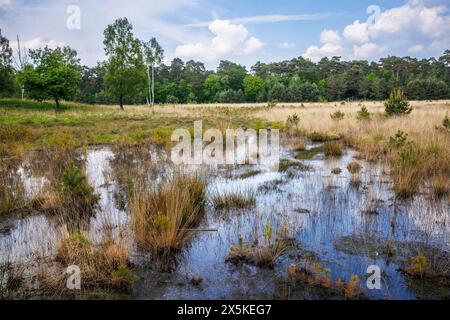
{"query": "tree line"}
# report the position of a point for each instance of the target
(135, 74)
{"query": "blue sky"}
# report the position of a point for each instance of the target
(242, 31)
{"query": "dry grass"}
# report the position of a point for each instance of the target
(233, 200)
(164, 214)
(103, 266)
(427, 144)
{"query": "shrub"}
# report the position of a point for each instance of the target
(172, 99)
(446, 122)
(338, 115)
(364, 114)
(397, 104)
(399, 139)
(419, 265)
(293, 121)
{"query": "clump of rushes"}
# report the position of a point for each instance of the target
(103, 265)
(164, 215)
(354, 167)
(233, 200)
(264, 255)
(406, 171)
(332, 149)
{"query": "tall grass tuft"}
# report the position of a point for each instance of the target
(163, 214)
(233, 200)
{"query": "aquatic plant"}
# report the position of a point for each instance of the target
(233, 200)
(332, 149)
(354, 167)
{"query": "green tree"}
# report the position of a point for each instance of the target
(278, 93)
(54, 74)
(234, 72)
(124, 77)
(254, 86)
(397, 104)
(213, 85)
(6, 70)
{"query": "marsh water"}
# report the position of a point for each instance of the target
(319, 208)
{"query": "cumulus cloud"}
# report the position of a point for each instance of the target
(4, 4)
(229, 39)
(330, 36)
(416, 48)
(357, 32)
(315, 53)
(286, 45)
(368, 50)
(415, 27)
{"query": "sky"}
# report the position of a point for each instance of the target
(243, 31)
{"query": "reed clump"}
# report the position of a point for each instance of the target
(164, 215)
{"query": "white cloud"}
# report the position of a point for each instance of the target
(286, 45)
(416, 48)
(270, 18)
(357, 32)
(252, 45)
(415, 27)
(4, 4)
(330, 36)
(368, 50)
(37, 43)
(315, 53)
(411, 19)
(229, 39)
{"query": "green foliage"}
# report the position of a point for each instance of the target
(278, 93)
(79, 239)
(7, 81)
(124, 274)
(54, 74)
(125, 76)
(338, 115)
(293, 120)
(213, 85)
(74, 182)
(254, 87)
(230, 96)
(446, 122)
(397, 104)
(399, 139)
(364, 114)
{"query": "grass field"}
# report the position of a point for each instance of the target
(416, 146)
